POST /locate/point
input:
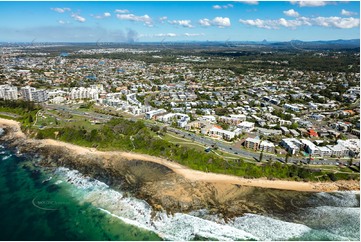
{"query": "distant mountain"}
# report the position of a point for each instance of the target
(320, 44)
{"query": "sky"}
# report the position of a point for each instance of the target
(151, 21)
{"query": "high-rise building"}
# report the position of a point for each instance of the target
(8, 92)
(31, 94)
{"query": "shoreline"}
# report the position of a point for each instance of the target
(187, 173)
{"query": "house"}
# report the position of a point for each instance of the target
(284, 130)
(246, 126)
(317, 117)
(269, 131)
(312, 133)
(292, 107)
(323, 133)
(294, 133)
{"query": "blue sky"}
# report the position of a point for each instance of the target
(179, 21)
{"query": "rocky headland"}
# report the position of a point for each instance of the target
(167, 185)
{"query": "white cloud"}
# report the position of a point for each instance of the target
(223, 6)
(162, 19)
(310, 3)
(291, 13)
(104, 15)
(165, 35)
(336, 22)
(121, 11)
(131, 17)
(61, 22)
(194, 34)
(347, 13)
(217, 21)
(205, 22)
(249, 2)
(61, 10)
(184, 23)
(78, 18)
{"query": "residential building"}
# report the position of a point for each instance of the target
(257, 144)
(8, 92)
(225, 134)
(154, 113)
(246, 126)
(292, 145)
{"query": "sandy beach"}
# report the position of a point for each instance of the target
(192, 175)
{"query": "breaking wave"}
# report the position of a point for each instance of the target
(318, 222)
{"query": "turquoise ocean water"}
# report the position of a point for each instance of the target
(38, 203)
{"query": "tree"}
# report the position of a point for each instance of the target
(261, 155)
(349, 162)
(287, 157)
(155, 128)
(31, 120)
(294, 126)
(164, 129)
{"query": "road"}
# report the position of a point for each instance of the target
(203, 140)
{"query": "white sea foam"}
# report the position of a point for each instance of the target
(338, 199)
(186, 226)
(267, 228)
(342, 223)
(139, 213)
(6, 157)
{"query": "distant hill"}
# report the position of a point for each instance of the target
(321, 44)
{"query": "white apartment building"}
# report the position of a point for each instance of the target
(225, 134)
(32, 94)
(292, 145)
(208, 118)
(8, 92)
(84, 93)
(310, 147)
(153, 113)
(181, 118)
(26, 93)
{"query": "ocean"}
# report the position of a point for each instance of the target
(43, 203)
